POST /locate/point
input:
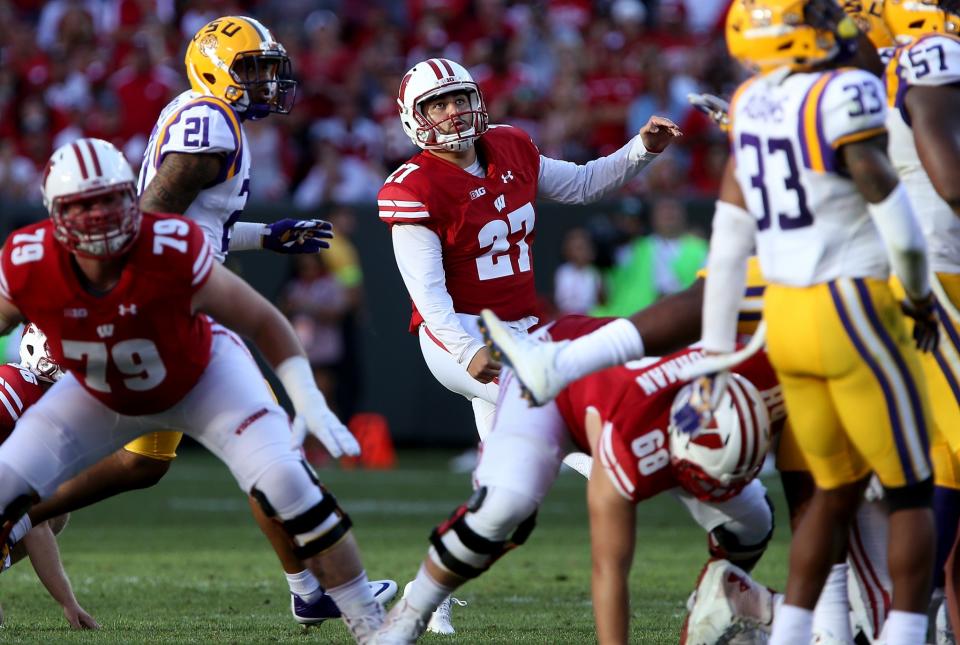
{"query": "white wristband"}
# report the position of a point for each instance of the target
(298, 381)
(247, 236)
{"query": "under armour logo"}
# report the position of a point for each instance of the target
(128, 309)
(104, 331)
(500, 202)
(508, 176)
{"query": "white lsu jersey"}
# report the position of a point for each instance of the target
(196, 123)
(812, 222)
(933, 59)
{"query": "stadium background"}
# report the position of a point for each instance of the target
(579, 76)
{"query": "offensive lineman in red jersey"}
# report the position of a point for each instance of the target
(621, 417)
(21, 385)
(122, 296)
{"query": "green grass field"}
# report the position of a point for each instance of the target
(184, 562)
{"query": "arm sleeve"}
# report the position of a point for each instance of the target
(906, 246)
(570, 183)
(730, 246)
(420, 260)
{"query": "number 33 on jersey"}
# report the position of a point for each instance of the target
(133, 348)
(785, 135)
(485, 224)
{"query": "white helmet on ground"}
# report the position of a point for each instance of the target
(432, 78)
(79, 173)
(35, 354)
(715, 462)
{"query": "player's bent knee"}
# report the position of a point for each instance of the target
(744, 540)
(919, 495)
(16, 495)
(479, 532)
(309, 513)
(58, 523)
(142, 471)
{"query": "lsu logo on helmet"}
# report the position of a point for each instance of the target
(237, 59)
(798, 34)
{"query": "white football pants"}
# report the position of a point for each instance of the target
(230, 411)
(524, 451)
(482, 396)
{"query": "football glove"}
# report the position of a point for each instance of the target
(297, 235)
(926, 329)
(705, 395)
(714, 107)
(320, 421)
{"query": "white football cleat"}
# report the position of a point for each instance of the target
(402, 626)
(728, 608)
(363, 627)
(943, 631)
(533, 362)
(440, 620)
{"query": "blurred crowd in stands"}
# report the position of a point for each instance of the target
(580, 76)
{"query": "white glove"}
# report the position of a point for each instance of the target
(313, 414)
(322, 423)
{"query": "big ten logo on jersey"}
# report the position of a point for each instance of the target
(651, 451)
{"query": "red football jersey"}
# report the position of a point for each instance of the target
(19, 389)
(485, 224)
(137, 348)
(634, 402)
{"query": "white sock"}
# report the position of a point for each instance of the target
(905, 628)
(792, 625)
(425, 594)
(305, 585)
(613, 344)
(21, 528)
(354, 598)
(832, 613)
(580, 462)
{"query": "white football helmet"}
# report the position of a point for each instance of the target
(715, 462)
(429, 79)
(35, 354)
(78, 177)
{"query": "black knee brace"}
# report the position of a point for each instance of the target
(722, 543)
(919, 495)
(455, 542)
(316, 529)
